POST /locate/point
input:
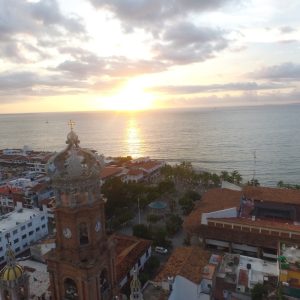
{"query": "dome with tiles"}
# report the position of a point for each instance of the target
(73, 163)
(10, 273)
(12, 270)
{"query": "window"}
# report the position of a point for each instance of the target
(24, 236)
(23, 227)
(15, 231)
(139, 262)
(1, 248)
(104, 283)
(17, 249)
(43, 218)
(30, 232)
(37, 229)
(83, 234)
(70, 289)
(16, 241)
(43, 226)
(29, 224)
(1, 258)
(25, 245)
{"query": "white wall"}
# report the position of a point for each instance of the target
(185, 289)
(143, 260)
(230, 186)
(225, 213)
(23, 234)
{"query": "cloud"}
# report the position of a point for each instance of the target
(284, 71)
(30, 83)
(185, 42)
(23, 23)
(176, 39)
(286, 29)
(248, 98)
(150, 14)
(235, 86)
(90, 65)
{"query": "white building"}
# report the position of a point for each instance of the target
(24, 227)
(188, 274)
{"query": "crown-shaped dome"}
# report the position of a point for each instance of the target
(12, 270)
(10, 273)
(73, 163)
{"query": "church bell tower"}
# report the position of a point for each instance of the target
(82, 266)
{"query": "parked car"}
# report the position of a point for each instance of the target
(161, 250)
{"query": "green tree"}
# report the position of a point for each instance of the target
(167, 171)
(153, 218)
(253, 182)
(236, 177)
(280, 184)
(141, 231)
(186, 204)
(159, 236)
(215, 179)
(193, 195)
(166, 186)
(151, 266)
(259, 292)
(115, 192)
(120, 160)
(173, 224)
(225, 176)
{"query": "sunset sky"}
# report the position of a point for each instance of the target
(70, 55)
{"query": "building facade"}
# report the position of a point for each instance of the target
(24, 227)
(82, 266)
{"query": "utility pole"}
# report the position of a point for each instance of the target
(254, 169)
(139, 211)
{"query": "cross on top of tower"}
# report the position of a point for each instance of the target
(71, 123)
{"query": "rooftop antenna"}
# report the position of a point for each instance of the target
(254, 168)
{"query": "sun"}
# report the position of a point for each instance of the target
(131, 98)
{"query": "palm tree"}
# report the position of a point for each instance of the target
(225, 175)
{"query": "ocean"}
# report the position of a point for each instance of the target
(261, 140)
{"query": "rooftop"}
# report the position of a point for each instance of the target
(110, 171)
(152, 292)
(244, 269)
(12, 219)
(188, 262)
(272, 194)
(291, 253)
(266, 223)
(38, 277)
(128, 250)
(135, 172)
(146, 165)
(212, 200)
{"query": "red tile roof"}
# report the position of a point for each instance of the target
(39, 187)
(213, 199)
(278, 224)
(135, 172)
(189, 262)
(272, 194)
(147, 165)
(110, 171)
(128, 251)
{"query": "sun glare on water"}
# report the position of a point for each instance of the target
(131, 98)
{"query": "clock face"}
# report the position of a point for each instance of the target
(67, 233)
(98, 226)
